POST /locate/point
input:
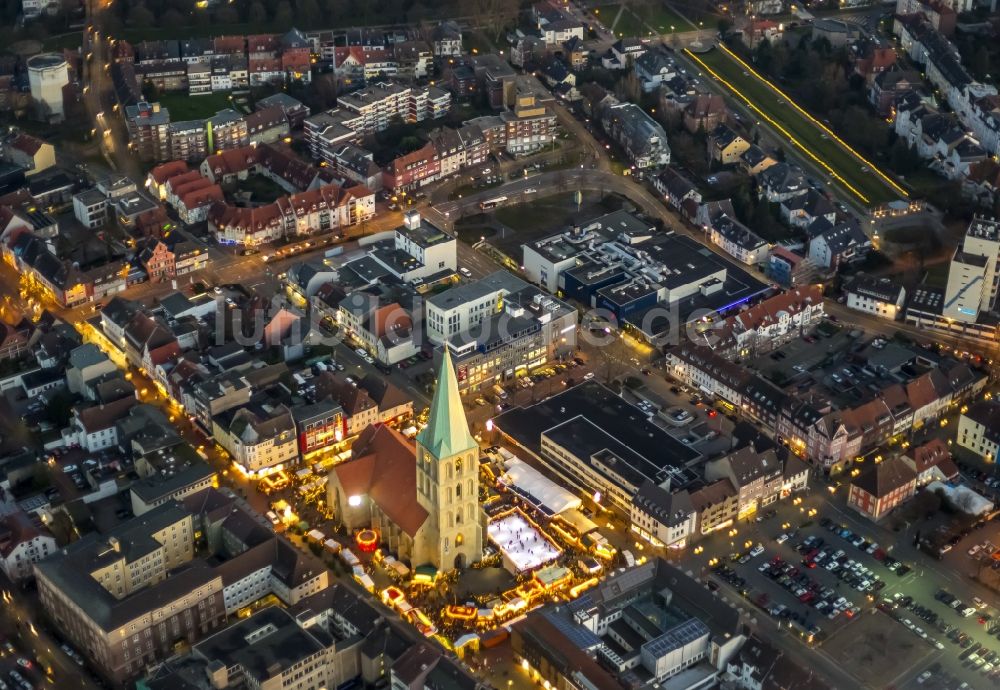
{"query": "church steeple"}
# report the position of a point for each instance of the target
(447, 431)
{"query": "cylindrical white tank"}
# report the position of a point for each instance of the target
(48, 74)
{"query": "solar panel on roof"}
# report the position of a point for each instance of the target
(685, 633)
(580, 636)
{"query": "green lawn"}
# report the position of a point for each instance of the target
(643, 20)
(263, 190)
(661, 18)
(184, 107)
(848, 172)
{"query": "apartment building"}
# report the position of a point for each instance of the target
(373, 108)
(530, 126)
(662, 517)
(125, 599)
(261, 439)
(303, 214)
(770, 323)
(499, 328)
(188, 140)
(90, 207)
(830, 438)
(148, 131)
(643, 138)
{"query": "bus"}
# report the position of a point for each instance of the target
(488, 204)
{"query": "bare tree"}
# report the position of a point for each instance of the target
(496, 14)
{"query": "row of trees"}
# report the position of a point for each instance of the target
(312, 14)
(817, 75)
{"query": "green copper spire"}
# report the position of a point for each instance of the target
(447, 431)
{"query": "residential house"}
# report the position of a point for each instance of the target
(882, 487)
(887, 86)
(24, 540)
(781, 182)
(29, 152)
(844, 242)
(882, 297)
(148, 342)
(754, 161)
(932, 462)
(652, 68)
(85, 364)
(705, 113)
(802, 210)
(446, 39)
(94, 428)
(267, 125)
(675, 188)
(726, 146)
(738, 240)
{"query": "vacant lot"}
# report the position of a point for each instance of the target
(875, 649)
(843, 168)
(511, 226)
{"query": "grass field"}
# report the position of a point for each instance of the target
(184, 107)
(843, 168)
(643, 20)
(661, 18)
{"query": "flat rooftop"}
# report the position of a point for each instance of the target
(477, 290)
(582, 417)
(425, 234)
(264, 645)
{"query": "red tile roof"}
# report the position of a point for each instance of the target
(201, 197)
(768, 312)
(384, 467)
(932, 454)
(26, 143)
(165, 171)
(885, 477)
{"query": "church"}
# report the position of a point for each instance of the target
(423, 499)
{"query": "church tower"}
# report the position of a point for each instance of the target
(448, 479)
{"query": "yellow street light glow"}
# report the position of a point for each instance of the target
(781, 129)
(816, 122)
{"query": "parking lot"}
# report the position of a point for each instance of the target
(896, 610)
(815, 579)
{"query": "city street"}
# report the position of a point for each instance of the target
(25, 637)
